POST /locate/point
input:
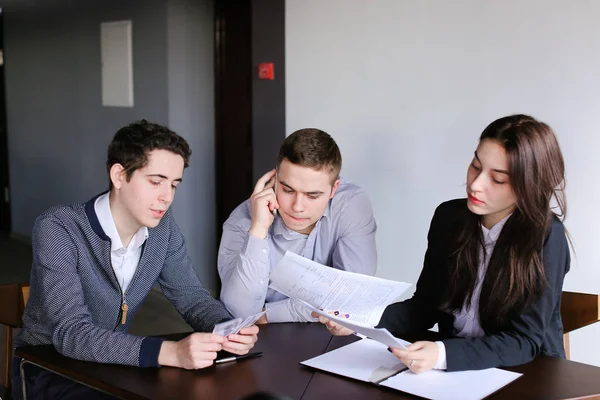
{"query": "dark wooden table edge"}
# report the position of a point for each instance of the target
(117, 392)
(125, 394)
(91, 383)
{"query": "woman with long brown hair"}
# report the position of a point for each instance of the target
(495, 263)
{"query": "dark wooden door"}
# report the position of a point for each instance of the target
(233, 105)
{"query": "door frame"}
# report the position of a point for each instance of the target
(5, 218)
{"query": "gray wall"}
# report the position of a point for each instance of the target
(407, 86)
(190, 53)
(58, 131)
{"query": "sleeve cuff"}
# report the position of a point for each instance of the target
(277, 311)
(441, 361)
(288, 310)
(256, 249)
(149, 351)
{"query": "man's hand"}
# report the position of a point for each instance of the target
(242, 342)
(262, 203)
(263, 319)
(196, 351)
(419, 356)
(334, 329)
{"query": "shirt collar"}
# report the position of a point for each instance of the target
(279, 228)
(491, 235)
(327, 211)
(105, 218)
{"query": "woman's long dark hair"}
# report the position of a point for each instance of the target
(515, 274)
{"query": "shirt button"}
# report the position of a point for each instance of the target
(261, 281)
(264, 251)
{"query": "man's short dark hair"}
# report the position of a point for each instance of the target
(312, 148)
(131, 145)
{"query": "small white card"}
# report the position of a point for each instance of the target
(233, 326)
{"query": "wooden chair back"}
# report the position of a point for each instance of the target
(13, 299)
(578, 310)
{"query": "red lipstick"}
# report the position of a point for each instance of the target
(475, 200)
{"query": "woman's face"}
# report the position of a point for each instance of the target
(489, 190)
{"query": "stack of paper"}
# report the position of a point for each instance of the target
(381, 335)
(369, 361)
(356, 297)
(365, 360)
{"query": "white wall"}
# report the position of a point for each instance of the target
(406, 87)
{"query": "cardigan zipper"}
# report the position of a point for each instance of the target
(124, 306)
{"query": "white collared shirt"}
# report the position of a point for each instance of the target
(124, 260)
(343, 238)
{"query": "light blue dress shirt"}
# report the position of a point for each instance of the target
(343, 238)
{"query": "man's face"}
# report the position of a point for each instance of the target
(144, 200)
(303, 195)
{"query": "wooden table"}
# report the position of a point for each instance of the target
(543, 378)
(278, 372)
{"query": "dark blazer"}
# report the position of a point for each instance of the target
(536, 330)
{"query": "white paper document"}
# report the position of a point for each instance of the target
(365, 360)
(360, 298)
(234, 326)
(381, 335)
(442, 385)
(369, 361)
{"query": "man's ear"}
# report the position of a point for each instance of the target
(336, 184)
(117, 175)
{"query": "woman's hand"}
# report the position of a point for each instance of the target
(418, 357)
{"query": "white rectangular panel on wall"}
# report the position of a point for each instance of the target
(117, 64)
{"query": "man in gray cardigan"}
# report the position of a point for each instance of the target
(95, 262)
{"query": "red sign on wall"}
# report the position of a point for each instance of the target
(266, 71)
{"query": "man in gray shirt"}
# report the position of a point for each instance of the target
(302, 206)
